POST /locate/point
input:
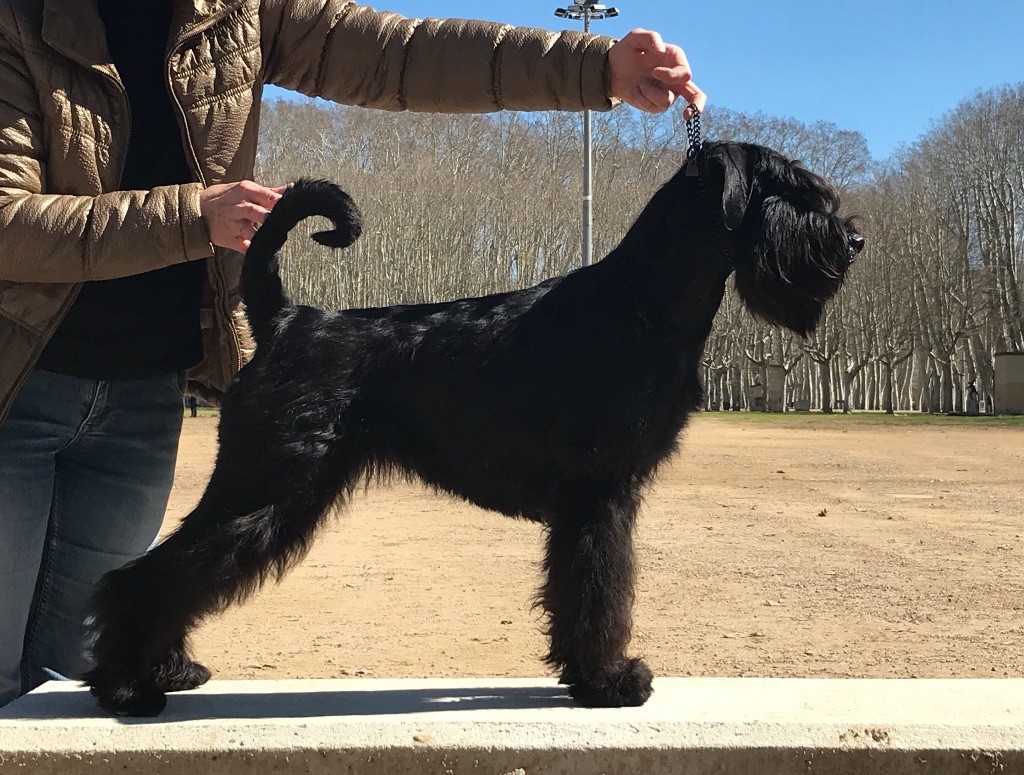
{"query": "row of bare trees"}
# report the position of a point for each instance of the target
(468, 205)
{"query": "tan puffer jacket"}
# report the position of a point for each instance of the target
(64, 129)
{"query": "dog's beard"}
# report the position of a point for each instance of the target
(797, 264)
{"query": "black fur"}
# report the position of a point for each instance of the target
(555, 404)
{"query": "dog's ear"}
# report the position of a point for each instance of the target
(738, 184)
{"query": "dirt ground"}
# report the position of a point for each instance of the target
(793, 546)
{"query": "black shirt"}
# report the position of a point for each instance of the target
(146, 324)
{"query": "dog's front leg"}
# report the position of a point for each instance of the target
(588, 597)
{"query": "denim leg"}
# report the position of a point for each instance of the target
(109, 484)
(44, 418)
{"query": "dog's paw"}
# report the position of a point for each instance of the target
(180, 674)
(130, 698)
(628, 687)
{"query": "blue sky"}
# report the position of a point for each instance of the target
(887, 69)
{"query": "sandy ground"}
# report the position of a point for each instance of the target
(783, 547)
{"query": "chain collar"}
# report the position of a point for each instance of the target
(695, 143)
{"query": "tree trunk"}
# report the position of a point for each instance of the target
(887, 389)
(947, 386)
(825, 372)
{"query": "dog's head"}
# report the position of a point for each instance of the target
(780, 224)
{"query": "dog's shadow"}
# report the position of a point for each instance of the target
(188, 706)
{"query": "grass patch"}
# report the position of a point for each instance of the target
(857, 419)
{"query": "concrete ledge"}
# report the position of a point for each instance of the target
(691, 726)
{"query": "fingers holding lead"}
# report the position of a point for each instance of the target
(650, 74)
(675, 74)
(693, 96)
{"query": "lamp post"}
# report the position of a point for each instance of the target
(587, 10)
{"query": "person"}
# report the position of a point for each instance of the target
(127, 147)
(973, 400)
(193, 406)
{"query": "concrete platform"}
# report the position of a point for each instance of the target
(691, 726)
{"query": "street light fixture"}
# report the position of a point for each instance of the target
(587, 10)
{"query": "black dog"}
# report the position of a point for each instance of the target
(555, 404)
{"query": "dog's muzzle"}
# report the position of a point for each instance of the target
(856, 243)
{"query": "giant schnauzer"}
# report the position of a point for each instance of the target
(555, 404)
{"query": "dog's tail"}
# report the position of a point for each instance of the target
(262, 292)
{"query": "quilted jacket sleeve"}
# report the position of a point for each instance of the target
(64, 238)
(349, 53)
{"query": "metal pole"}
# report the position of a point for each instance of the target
(588, 178)
(587, 10)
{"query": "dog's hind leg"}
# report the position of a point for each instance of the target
(588, 598)
(221, 553)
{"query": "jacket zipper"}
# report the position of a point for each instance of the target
(220, 295)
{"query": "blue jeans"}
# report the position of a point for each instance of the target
(86, 469)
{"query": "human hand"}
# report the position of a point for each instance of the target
(649, 74)
(234, 211)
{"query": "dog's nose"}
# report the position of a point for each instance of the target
(856, 243)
